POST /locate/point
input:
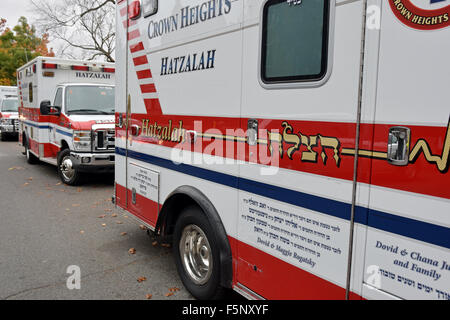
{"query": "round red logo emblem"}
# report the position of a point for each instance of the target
(422, 18)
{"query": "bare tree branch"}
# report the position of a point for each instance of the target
(86, 26)
(96, 8)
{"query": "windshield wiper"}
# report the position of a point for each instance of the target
(89, 111)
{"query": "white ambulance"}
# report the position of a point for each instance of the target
(289, 149)
(9, 116)
(66, 118)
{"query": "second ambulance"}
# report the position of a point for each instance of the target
(67, 115)
(9, 122)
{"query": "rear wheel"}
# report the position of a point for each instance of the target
(197, 255)
(68, 174)
(31, 158)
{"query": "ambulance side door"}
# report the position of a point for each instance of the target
(301, 70)
(121, 103)
(57, 102)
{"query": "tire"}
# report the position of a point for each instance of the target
(199, 270)
(3, 136)
(31, 158)
(66, 172)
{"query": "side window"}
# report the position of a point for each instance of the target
(30, 92)
(150, 7)
(58, 98)
(295, 40)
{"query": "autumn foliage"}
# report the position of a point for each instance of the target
(17, 46)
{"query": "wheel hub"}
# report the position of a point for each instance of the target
(67, 168)
(196, 255)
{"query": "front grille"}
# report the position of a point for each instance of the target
(105, 140)
(16, 125)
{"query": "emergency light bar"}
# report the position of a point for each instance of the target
(49, 65)
(110, 70)
(134, 10)
(80, 68)
(77, 67)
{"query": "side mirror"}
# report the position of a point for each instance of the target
(47, 109)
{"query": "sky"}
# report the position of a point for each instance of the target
(12, 10)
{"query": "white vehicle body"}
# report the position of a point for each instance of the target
(88, 135)
(9, 115)
(324, 173)
(7, 91)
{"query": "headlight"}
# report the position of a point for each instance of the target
(6, 121)
(82, 140)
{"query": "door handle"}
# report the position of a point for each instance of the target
(252, 132)
(120, 123)
(398, 146)
(191, 136)
(135, 130)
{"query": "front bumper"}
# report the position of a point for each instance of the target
(8, 128)
(93, 162)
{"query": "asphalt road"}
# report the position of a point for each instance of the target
(46, 226)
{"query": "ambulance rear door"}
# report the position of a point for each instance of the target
(408, 238)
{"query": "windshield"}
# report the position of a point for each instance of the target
(10, 105)
(89, 100)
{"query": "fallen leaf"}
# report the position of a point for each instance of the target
(30, 178)
(108, 210)
(141, 279)
(26, 183)
(123, 233)
(165, 245)
(15, 168)
(148, 296)
(132, 251)
(59, 183)
(154, 243)
(168, 294)
(114, 215)
(67, 209)
(82, 231)
(119, 222)
(143, 227)
(103, 224)
(102, 216)
(75, 205)
(79, 189)
(174, 289)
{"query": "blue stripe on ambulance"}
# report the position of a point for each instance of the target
(411, 228)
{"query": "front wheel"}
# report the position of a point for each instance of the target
(68, 174)
(197, 255)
